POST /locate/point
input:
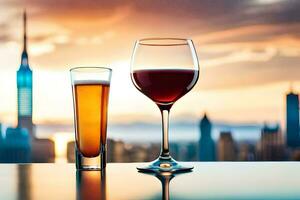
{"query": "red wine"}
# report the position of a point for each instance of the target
(165, 86)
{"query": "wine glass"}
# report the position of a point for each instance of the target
(164, 69)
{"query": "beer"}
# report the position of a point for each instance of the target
(91, 102)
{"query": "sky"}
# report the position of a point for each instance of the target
(249, 55)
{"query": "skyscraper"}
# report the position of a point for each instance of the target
(271, 146)
(19, 144)
(206, 143)
(24, 85)
(227, 150)
(292, 120)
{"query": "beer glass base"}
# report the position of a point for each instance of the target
(93, 163)
(165, 165)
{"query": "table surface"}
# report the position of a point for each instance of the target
(218, 180)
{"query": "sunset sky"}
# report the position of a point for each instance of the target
(249, 55)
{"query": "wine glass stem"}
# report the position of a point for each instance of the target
(165, 189)
(165, 154)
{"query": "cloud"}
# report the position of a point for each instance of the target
(209, 21)
(191, 17)
(227, 33)
(250, 73)
(261, 51)
(246, 55)
(215, 14)
(41, 48)
(249, 33)
(277, 12)
(5, 35)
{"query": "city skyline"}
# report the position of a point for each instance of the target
(72, 107)
(263, 41)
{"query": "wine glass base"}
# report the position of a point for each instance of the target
(165, 165)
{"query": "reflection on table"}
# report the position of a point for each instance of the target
(222, 180)
(91, 185)
(165, 178)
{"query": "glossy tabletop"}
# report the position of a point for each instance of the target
(219, 180)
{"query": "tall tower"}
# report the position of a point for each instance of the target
(24, 86)
(292, 120)
(206, 143)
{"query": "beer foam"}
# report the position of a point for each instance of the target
(91, 82)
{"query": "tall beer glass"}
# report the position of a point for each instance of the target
(90, 86)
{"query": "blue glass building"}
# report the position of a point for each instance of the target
(16, 147)
(24, 85)
(292, 120)
(18, 143)
(207, 150)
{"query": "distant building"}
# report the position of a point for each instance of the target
(43, 151)
(292, 120)
(227, 150)
(24, 85)
(154, 150)
(191, 152)
(175, 151)
(20, 144)
(16, 146)
(294, 155)
(206, 143)
(136, 153)
(271, 146)
(71, 152)
(246, 152)
(1, 136)
(116, 151)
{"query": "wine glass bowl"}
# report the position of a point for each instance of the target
(165, 86)
(164, 69)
